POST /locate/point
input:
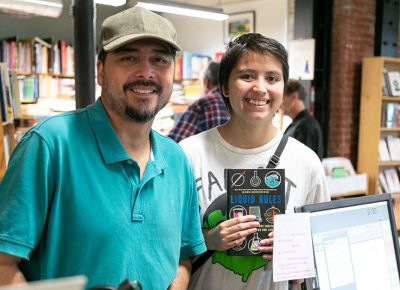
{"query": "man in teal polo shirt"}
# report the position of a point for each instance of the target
(96, 191)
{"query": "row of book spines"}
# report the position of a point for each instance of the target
(16, 89)
(34, 87)
(389, 149)
(389, 181)
(9, 94)
(390, 117)
(29, 89)
(36, 55)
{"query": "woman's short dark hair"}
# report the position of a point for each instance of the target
(250, 42)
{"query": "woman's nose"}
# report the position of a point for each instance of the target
(260, 87)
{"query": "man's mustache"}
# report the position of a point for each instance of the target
(128, 86)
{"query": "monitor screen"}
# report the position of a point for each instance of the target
(66, 283)
(355, 243)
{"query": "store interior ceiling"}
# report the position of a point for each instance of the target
(52, 8)
(208, 3)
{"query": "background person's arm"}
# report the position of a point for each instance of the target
(9, 271)
(181, 280)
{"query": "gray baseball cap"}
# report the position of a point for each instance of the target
(133, 24)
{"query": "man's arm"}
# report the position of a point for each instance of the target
(9, 272)
(181, 280)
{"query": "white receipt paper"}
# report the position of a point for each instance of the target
(293, 256)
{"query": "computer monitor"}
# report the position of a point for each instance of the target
(67, 283)
(355, 243)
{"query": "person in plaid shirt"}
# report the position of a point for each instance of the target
(205, 113)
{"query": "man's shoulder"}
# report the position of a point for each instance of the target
(163, 140)
(306, 120)
(213, 96)
(313, 123)
(167, 144)
(302, 151)
(62, 122)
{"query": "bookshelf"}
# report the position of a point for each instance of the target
(44, 67)
(7, 146)
(35, 74)
(374, 125)
(3, 161)
(188, 75)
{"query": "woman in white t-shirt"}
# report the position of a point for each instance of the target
(252, 78)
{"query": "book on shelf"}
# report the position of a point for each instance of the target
(390, 113)
(29, 88)
(31, 55)
(40, 51)
(379, 189)
(9, 52)
(7, 147)
(394, 83)
(186, 62)
(394, 147)
(3, 101)
(383, 151)
(178, 67)
(60, 57)
(5, 92)
(16, 97)
(385, 90)
(53, 57)
(383, 182)
(383, 114)
(258, 192)
(66, 58)
(199, 63)
(392, 180)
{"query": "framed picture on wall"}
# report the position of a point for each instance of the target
(238, 24)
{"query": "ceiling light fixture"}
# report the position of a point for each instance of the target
(183, 9)
(111, 2)
(29, 8)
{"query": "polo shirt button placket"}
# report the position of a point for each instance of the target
(136, 217)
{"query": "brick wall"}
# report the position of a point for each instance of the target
(352, 39)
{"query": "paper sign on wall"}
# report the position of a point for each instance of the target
(301, 59)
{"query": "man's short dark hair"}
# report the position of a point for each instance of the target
(212, 73)
(296, 86)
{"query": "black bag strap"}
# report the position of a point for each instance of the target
(275, 158)
(201, 260)
(273, 162)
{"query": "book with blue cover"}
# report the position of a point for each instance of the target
(258, 192)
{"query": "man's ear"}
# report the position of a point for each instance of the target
(295, 95)
(100, 72)
(207, 84)
(225, 91)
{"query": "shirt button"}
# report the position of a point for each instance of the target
(129, 162)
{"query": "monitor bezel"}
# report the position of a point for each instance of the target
(355, 201)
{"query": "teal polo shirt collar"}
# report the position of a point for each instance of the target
(109, 144)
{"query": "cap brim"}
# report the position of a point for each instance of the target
(132, 37)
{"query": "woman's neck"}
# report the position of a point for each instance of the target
(247, 136)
